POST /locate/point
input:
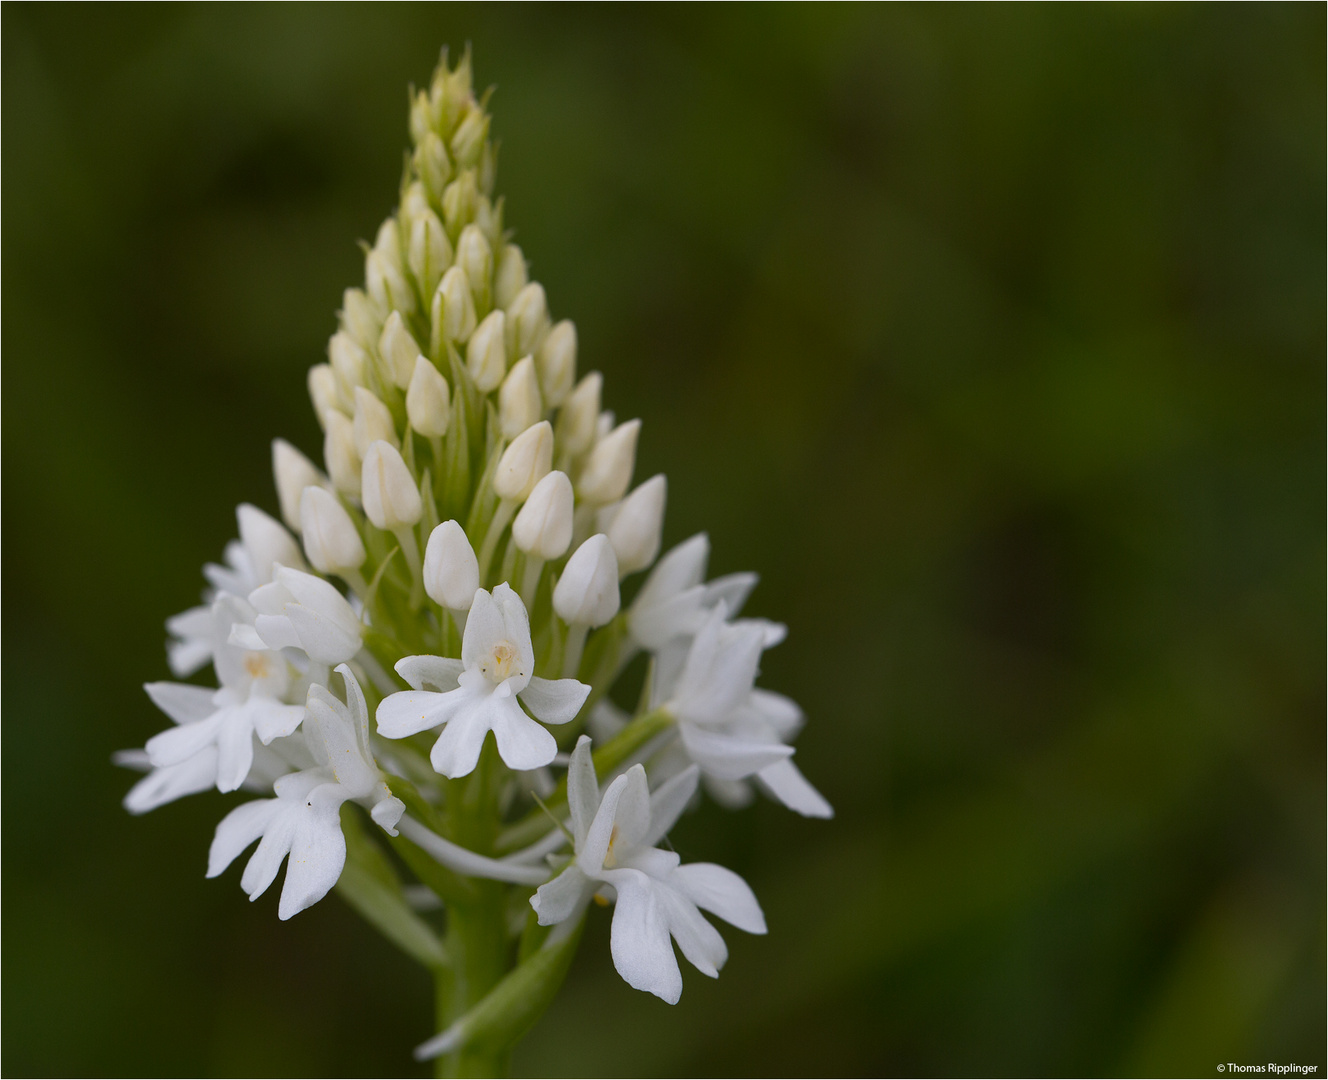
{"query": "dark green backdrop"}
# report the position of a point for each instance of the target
(992, 336)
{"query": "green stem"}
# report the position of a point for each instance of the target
(478, 949)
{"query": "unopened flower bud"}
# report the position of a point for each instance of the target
(609, 468)
(330, 540)
(543, 527)
(373, 422)
(399, 349)
(428, 400)
(293, 472)
(519, 399)
(451, 570)
(509, 276)
(556, 363)
(634, 525)
(459, 200)
(267, 542)
(348, 361)
(525, 462)
(576, 419)
(415, 203)
(386, 283)
(421, 117)
(454, 307)
(387, 490)
(339, 453)
(527, 321)
(587, 592)
(388, 242)
(475, 257)
(455, 92)
(468, 140)
(486, 353)
(323, 390)
(359, 319)
(430, 253)
(432, 164)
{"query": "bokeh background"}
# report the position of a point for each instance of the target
(993, 337)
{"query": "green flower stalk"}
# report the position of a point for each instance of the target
(439, 645)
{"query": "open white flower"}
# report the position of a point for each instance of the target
(656, 898)
(301, 611)
(478, 693)
(303, 821)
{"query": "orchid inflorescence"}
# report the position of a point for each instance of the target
(457, 572)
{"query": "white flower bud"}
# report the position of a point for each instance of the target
(519, 399)
(587, 592)
(635, 524)
(421, 116)
(359, 319)
(267, 542)
(543, 527)
(428, 401)
(468, 140)
(609, 468)
(399, 349)
(323, 390)
(455, 93)
(432, 163)
(339, 453)
(509, 276)
(576, 419)
(386, 283)
(486, 353)
(525, 462)
(293, 472)
(415, 203)
(430, 253)
(556, 363)
(475, 257)
(330, 540)
(388, 242)
(451, 571)
(373, 422)
(454, 307)
(391, 499)
(459, 201)
(527, 321)
(348, 361)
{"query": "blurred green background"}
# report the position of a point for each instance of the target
(993, 337)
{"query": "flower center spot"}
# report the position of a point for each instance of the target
(501, 663)
(257, 665)
(610, 859)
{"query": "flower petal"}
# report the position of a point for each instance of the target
(457, 751)
(590, 855)
(639, 937)
(177, 744)
(699, 941)
(439, 672)
(633, 813)
(722, 892)
(582, 790)
(557, 900)
(522, 743)
(182, 703)
(667, 802)
(727, 757)
(555, 701)
(235, 748)
(409, 712)
(237, 830)
(273, 719)
(516, 624)
(789, 786)
(484, 629)
(317, 854)
(161, 786)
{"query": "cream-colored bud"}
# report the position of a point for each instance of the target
(576, 419)
(348, 361)
(459, 200)
(339, 453)
(421, 116)
(293, 472)
(399, 349)
(543, 527)
(323, 390)
(454, 307)
(475, 257)
(432, 164)
(387, 490)
(509, 276)
(359, 318)
(525, 462)
(373, 421)
(587, 592)
(527, 321)
(609, 468)
(519, 399)
(451, 571)
(330, 541)
(388, 242)
(455, 93)
(428, 401)
(468, 140)
(386, 283)
(415, 203)
(486, 353)
(556, 363)
(266, 541)
(635, 524)
(430, 253)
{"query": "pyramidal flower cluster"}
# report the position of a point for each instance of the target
(432, 628)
